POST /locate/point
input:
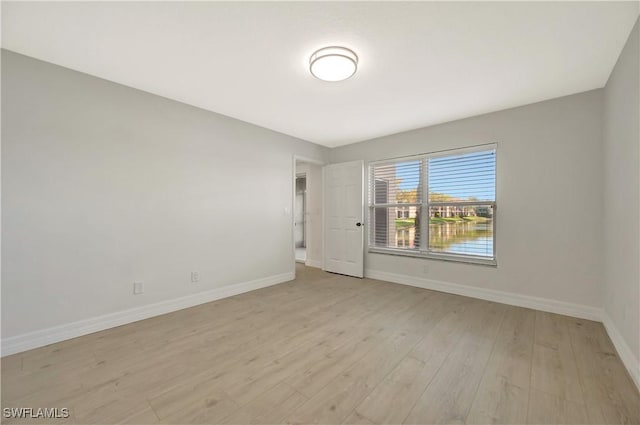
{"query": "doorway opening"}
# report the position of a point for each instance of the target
(306, 212)
(300, 208)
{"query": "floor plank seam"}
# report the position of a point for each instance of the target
(533, 345)
(580, 375)
(152, 409)
(432, 377)
(484, 368)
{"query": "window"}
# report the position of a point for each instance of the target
(403, 238)
(449, 197)
(403, 212)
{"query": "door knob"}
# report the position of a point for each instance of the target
(358, 224)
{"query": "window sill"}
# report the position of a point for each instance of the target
(492, 262)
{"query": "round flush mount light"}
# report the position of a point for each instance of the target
(333, 63)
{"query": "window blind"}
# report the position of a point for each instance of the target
(463, 177)
(435, 205)
(396, 189)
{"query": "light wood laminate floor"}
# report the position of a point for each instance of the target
(334, 350)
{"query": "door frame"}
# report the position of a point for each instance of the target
(305, 227)
(295, 158)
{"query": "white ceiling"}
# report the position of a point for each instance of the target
(420, 63)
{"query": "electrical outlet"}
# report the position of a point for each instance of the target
(195, 277)
(138, 288)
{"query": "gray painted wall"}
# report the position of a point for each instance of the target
(104, 184)
(621, 212)
(549, 195)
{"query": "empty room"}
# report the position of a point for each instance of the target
(320, 212)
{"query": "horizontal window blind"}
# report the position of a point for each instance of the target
(436, 205)
(396, 191)
(464, 177)
(398, 182)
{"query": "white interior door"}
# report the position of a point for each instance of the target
(343, 218)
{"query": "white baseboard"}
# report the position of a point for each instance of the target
(19, 343)
(544, 304)
(536, 303)
(313, 263)
(28, 341)
(624, 351)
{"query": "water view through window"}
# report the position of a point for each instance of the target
(458, 214)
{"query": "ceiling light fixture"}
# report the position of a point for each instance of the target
(333, 63)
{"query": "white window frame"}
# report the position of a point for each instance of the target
(424, 207)
(402, 211)
(405, 241)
